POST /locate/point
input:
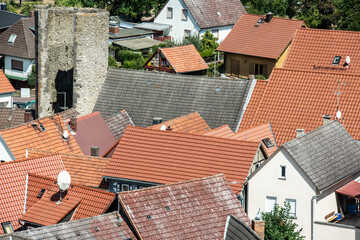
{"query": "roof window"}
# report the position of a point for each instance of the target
(268, 143)
(7, 226)
(12, 39)
(42, 128)
(336, 60)
(148, 217)
(96, 229)
(167, 208)
(260, 20)
(41, 193)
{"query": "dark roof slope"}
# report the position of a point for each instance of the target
(145, 95)
(236, 229)
(118, 123)
(214, 13)
(327, 154)
(7, 19)
(24, 44)
(12, 117)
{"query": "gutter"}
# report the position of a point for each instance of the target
(312, 213)
(26, 190)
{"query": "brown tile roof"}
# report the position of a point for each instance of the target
(223, 131)
(24, 45)
(118, 123)
(165, 157)
(84, 170)
(296, 99)
(93, 131)
(12, 117)
(257, 134)
(184, 58)
(213, 13)
(24, 137)
(13, 182)
(191, 123)
(5, 85)
(267, 39)
(44, 211)
(318, 47)
(195, 209)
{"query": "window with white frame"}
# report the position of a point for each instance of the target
(282, 174)
(292, 202)
(125, 187)
(169, 14)
(270, 203)
(215, 32)
(184, 15)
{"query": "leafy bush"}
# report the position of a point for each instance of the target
(128, 55)
(133, 64)
(208, 45)
(112, 62)
(27, 7)
(260, 77)
(32, 77)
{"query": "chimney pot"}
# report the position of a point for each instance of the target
(300, 132)
(269, 16)
(114, 29)
(27, 116)
(95, 151)
(259, 227)
(73, 123)
(157, 120)
(326, 119)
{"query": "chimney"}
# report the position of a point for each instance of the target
(269, 16)
(114, 29)
(300, 132)
(73, 123)
(3, 6)
(95, 151)
(259, 227)
(27, 116)
(157, 120)
(31, 13)
(326, 119)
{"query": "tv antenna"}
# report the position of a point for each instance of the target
(338, 112)
(63, 181)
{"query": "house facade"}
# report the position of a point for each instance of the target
(190, 18)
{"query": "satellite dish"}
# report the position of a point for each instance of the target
(347, 60)
(338, 114)
(65, 134)
(163, 127)
(64, 180)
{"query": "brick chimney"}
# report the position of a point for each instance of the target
(269, 16)
(300, 132)
(95, 151)
(27, 116)
(73, 123)
(31, 13)
(326, 119)
(114, 29)
(259, 227)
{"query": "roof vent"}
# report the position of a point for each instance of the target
(41, 193)
(12, 39)
(168, 128)
(96, 229)
(167, 208)
(148, 217)
(95, 151)
(326, 119)
(300, 132)
(163, 127)
(218, 13)
(269, 16)
(77, 233)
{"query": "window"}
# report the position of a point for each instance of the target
(259, 69)
(270, 203)
(124, 187)
(187, 34)
(16, 65)
(184, 15)
(282, 172)
(169, 14)
(235, 69)
(215, 32)
(268, 143)
(8, 228)
(115, 187)
(12, 39)
(336, 60)
(3, 104)
(292, 202)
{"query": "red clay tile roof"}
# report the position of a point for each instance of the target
(191, 123)
(84, 170)
(267, 40)
(298, 99)
(223, 131)
(184, 58)
(5, 85)
(93, 131)
(166, 157)
(20, 138)
(13, 182)
(257, 134)
(319, 47)
(195, 209)
(93, 201)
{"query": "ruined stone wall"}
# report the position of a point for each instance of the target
(71, 39)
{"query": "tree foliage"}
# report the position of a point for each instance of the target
(208, 45)
(319, 13)
(349, 15)
(279, 226)
(32, 77)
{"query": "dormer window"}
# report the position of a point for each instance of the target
(184, 15)
(12, 39)
(336, 60)
(169, 14)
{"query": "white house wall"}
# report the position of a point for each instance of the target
(223, 31)
(4, 154)
(335, 231)
(7, 98)
(266, 182)
(27, 67)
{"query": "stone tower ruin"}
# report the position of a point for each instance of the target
(72, 57)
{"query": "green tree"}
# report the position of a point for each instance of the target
(279, 225)
(319, 13)
(32, 77)
(208, 45)
(112, 62)
(27, 7)
(349, 15)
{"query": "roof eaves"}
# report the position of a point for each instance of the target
(132, 180)
(272, 133)
(249, 93)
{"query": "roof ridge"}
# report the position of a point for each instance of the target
(176, 183)
(13, 13)
(190, 44)
(313, 71)
(329, 30)
(277, 17)
(28, 159)
(258, 125)
(25, 37)
(68, 154)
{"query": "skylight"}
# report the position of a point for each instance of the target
(336, 60)
(268, 143)
(12, 39)
(260, 20)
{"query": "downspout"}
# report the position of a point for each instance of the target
(26, 190)
(312, 213)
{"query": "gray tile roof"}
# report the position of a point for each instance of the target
(130, 32)
(118, 123)
(153, 26)
(12, 117)
(327, 154)
(236, 229)
(7, 19)
(145, 95)
(106, 226)
(214, 13)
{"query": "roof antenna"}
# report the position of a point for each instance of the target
(338, 112)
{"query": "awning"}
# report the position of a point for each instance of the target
(137, 43)
(352, 189)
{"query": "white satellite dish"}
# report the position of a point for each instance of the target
(338, 114)
(65, 134)
(347, 60)
(64, 180)
(163, 127)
